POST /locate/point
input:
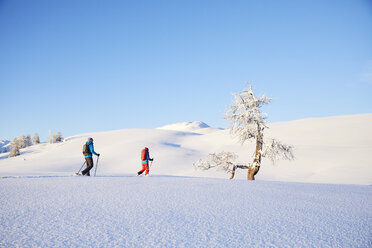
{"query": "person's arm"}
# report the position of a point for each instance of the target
(150, 159)
(91, 149)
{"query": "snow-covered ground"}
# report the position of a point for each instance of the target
(42, 205)
(166, 211)
(327, 150)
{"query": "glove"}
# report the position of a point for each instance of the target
(98, 154)
(151, 159)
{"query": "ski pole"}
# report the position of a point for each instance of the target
(95, 171)
(81, 167)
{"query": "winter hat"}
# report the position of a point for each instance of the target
(90, 139)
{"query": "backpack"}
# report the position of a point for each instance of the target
(86, 150)
(143, 155)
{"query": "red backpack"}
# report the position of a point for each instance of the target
(143, 155)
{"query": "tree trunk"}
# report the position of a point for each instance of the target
(233, 172)
(253, 170)
(238, 167)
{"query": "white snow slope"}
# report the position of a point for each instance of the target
(4, 144)
(42, 206)
(166, 211)
(328, 150)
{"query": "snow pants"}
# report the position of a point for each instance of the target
(145, 167)
(89, 166)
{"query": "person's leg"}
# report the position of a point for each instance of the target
(89, 166)
(143, 169)
(147, 168)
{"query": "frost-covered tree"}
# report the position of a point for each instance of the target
(58, 137)
(14, 150)
(51, 137)
(248, 123)
(221, 161)
(21, 142)
(28, 140)
(274, 150)
(36, 139)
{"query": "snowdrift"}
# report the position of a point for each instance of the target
(327, 150)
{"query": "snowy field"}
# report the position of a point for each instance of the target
(321, 199)
(166, 211)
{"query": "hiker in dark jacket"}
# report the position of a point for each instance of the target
(88, 152)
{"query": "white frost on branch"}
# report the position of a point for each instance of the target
(245, 115)
(222, 161)
(275, 150)
(14, 149)
(36, 139)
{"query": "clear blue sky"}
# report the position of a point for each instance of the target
(86, 66)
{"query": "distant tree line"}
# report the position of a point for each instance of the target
(55, 138)
(26, 141)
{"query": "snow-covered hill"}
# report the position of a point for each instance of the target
(4, 146)
(185, 126)
(327, 150)
(170, 209)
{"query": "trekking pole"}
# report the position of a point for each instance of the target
(95, 171)
(81, 167)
